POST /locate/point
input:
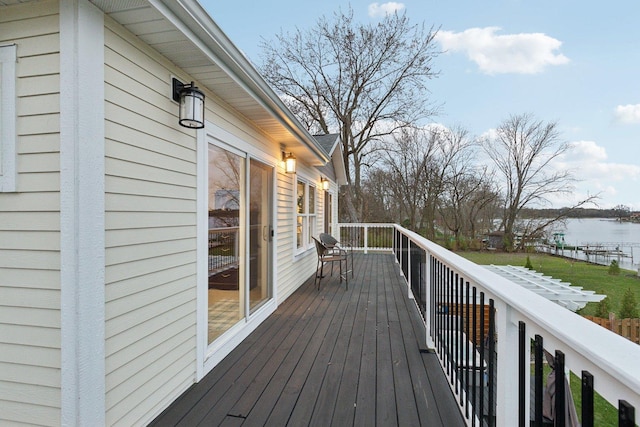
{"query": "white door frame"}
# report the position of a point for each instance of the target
(208, 356)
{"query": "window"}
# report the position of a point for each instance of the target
(306, 214)
(7, 118)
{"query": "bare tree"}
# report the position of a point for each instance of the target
(407, 164)
(522, 150)
(622, 211)
(379, 205)
(482, 206)
(450, 145)
(364, 81)
(468, 192)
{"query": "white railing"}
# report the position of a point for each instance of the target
(223, 248)
(367, 236)
(483, 328)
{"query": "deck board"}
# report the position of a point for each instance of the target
(329, 357)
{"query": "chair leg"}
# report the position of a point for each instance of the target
(346, 272)
(351, 251)
(319, 267)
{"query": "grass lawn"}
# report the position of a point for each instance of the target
(578, 273)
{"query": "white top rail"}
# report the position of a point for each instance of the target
(613, 360)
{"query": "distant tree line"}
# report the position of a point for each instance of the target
(615, 212)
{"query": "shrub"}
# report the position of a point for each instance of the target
(629, 309)
(614, 268)
(528, 263)
(604, 307)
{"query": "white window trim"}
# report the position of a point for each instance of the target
(8, 167)
(306, 236)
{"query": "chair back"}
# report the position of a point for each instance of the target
(328, 239)
(320, 248)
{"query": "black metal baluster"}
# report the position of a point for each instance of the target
(587, 399)
(446, 319)
(475, 368)
(538, 367)
(482, 364)
(492, 362)
(438, 279)
(456, 335)
(441, 322)
(626, 414)
(449, 325)
(559, 404)
(463, 361)
(466, 352)
(433, 303)
(522, 372)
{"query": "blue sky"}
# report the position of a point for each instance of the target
(574, 62)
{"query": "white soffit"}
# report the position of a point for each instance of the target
(184, 33)
(571, 297)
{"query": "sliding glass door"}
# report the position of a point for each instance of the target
(260, 234)
(239, 242)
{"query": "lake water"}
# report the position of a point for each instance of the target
(608, 234)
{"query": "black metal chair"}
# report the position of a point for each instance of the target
(331, 256)
(332, 243)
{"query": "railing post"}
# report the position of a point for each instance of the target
(428, 299)
(414, 274)
(366, 238)
(507, 366)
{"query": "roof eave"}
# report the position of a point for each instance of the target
(191, 18)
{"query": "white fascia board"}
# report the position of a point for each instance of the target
(339, 167)
(193, 21)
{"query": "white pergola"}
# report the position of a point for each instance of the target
(571, 297)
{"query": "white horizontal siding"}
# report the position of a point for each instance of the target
(150, 237)
(30, 225)
(293, 268)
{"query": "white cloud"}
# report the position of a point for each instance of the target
(377, 10)
(615, 182)
(587, 151)
(525, 53)
(629, 113)
(589, 163)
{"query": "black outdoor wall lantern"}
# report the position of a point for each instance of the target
(191, 100)
(289, 162)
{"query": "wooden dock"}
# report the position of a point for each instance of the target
(329, 357)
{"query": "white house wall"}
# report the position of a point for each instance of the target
(150, 179)
(30, 226)
(294, 268)
(151, 190)
(150, 205)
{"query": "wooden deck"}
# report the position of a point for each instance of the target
(328, 357)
